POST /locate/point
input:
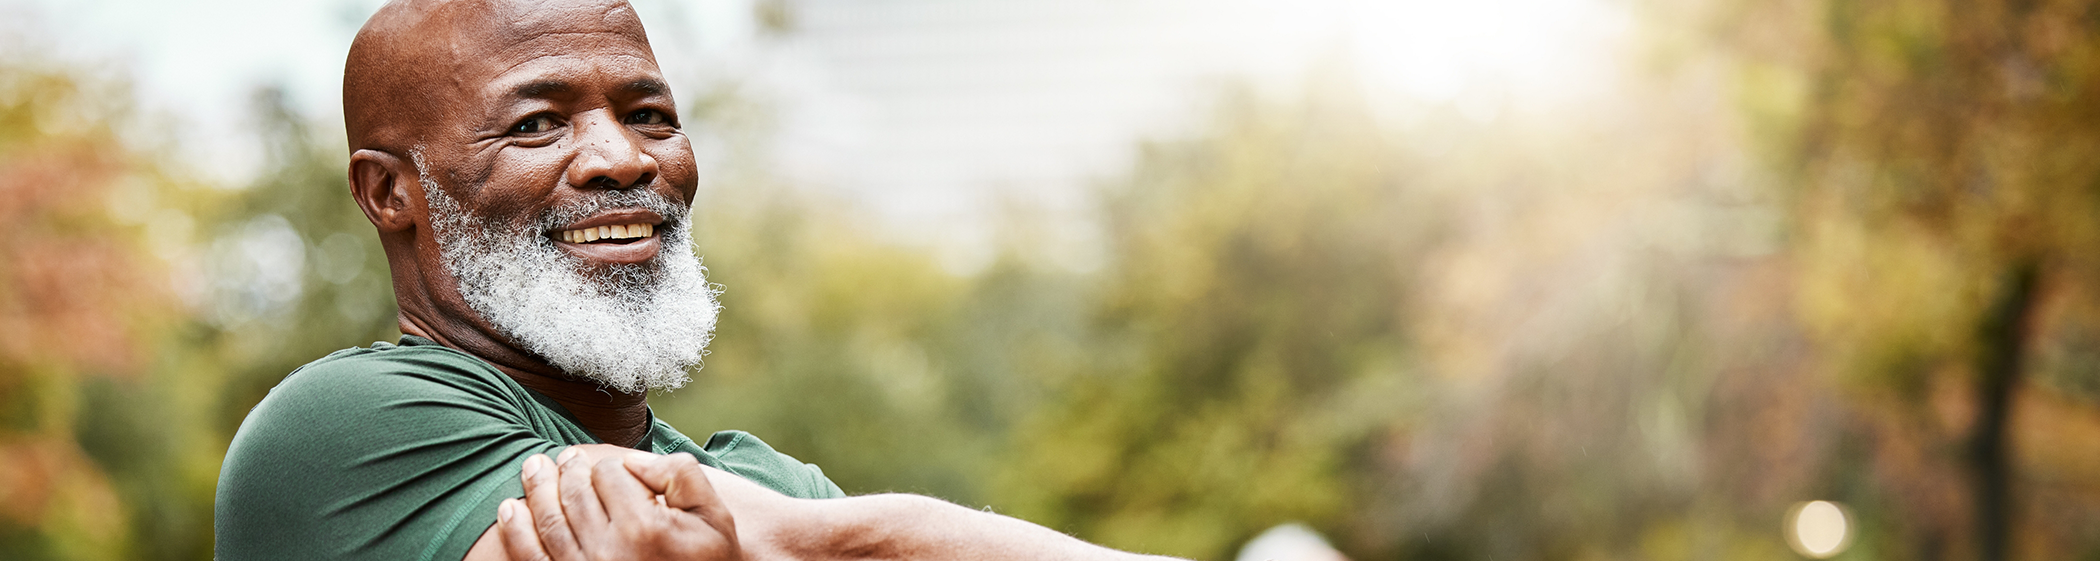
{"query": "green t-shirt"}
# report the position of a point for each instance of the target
(403, 452)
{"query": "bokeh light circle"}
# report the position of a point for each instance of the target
(1819, 529)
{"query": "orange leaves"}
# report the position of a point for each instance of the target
(72, 281)
(47, 473)
(49, 485)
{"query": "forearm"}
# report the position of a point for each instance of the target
(923, 528)
(774, 527)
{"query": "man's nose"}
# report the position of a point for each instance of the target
(609, 156)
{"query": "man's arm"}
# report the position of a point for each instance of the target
(769, 525)
(889, 526)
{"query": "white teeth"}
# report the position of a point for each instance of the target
(621, 231)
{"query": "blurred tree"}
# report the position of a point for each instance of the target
(144, 315)
(1248, 328)
(296, 269)
(1945, 158)
(849, 350)
(83, 301)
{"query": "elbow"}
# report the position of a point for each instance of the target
(867, 527)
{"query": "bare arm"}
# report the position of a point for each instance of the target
(893, 526)
(771, 526)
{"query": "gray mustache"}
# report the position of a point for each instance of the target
(674, 213)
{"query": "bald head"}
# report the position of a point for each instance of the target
(413, 68)
(497, 146)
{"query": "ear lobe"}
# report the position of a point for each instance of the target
(380, 183)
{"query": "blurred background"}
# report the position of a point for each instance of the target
(1501, 279)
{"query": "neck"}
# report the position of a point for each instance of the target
(614, 418)
(620, 419)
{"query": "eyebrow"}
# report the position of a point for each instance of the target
(541, 88)
(646, 86)
(545, 88)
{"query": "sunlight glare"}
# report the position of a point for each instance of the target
(1527, 50)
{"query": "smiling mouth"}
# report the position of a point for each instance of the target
(615, 234)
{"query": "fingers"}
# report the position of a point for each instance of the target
(579, 502)
(624, 497)
(678, 477)
(701, 520)
(514, 524)
(543, 499)
(611, 509)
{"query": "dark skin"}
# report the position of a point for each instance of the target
(546, 107)
(514, 107)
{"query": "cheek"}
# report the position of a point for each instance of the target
(517, 184)
(674, 163)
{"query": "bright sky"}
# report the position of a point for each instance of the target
(927, 110)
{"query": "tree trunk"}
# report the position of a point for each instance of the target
(2002, 344)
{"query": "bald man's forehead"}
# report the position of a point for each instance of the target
(436, 52)
(521, 21)
(476, 28)
(533, 18)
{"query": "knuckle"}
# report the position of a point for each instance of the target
(551, 529)
(577, 483)
(570, 493)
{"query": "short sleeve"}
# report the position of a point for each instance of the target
(395, 454)
(747, 456)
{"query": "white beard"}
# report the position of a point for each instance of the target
(640, 327)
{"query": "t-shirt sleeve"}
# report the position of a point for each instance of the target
(747, 456)
(401, 457)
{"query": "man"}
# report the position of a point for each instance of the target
(523, 164)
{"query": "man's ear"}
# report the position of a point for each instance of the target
(380, 183)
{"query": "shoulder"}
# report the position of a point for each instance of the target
(371, 453)
(356, 401)
(387, 369)
(386, 385)
(747, 456)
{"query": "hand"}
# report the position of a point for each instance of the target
(629, 506)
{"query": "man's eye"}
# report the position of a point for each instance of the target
(649, 117)
(533, 125)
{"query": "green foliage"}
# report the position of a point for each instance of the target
(1257, 282)
(827, 343)
(137, 338)
(1254, 291)
(1945, 163)
(297, 270)
(1608, 335)
(84, 304)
